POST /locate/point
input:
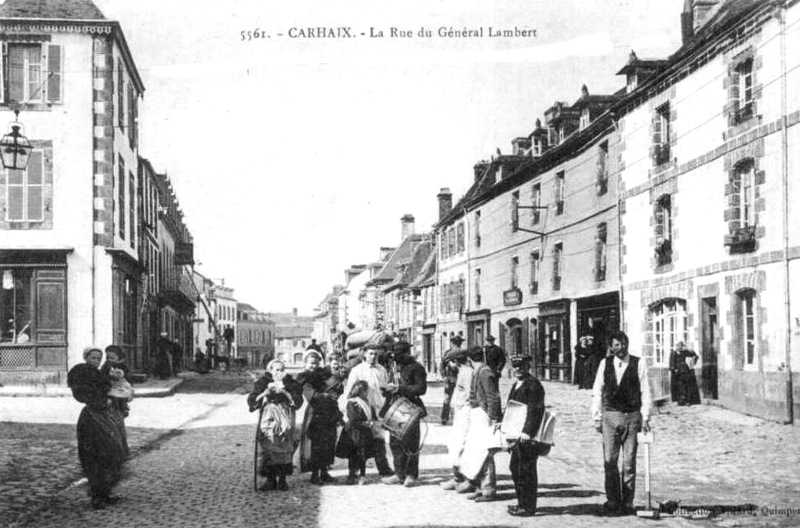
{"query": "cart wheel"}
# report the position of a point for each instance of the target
(258, 479)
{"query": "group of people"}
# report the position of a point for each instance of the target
(474, 396)
(302, 415)
(101, 383)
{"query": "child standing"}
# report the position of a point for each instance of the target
(357, 443)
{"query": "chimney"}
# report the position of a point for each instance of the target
(294, 312)
(687, 26)
(446, 199)
(407, 226)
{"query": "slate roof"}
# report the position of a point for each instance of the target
(400, 256)
(51, 9)
(427, 273)
(413, 266)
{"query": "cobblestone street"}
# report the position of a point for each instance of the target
(193, 467)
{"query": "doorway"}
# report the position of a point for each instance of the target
(710, 346)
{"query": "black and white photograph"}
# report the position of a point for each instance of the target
(399, 264)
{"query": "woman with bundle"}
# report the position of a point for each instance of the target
(279, 395)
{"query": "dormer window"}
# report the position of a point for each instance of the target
(537, 148)
(585, 118)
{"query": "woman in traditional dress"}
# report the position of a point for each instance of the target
(102, 448)
(357, 443)
(279, 395)
(326, 385)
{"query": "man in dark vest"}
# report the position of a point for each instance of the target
(621, 404)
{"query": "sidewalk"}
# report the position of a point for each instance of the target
(152, 388)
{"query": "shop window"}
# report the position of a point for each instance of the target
(32, 306)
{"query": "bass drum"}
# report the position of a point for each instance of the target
(400, 417)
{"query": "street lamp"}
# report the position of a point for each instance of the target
(15, 149)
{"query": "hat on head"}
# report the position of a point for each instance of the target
(401, 347)
(520, 360)
(457, 340)
(490, 338)
(311, 353)
(475, 354)
(454, 354)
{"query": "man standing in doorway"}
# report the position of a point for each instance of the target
(495, 356)
(621, 404)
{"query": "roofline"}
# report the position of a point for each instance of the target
(116, 30)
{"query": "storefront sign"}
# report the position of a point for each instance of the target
(512, 297)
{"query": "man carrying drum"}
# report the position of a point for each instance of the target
(410, 382)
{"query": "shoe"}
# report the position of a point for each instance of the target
(465, 487)
(394, 479)
(362, 481)
(410, 482)
(351, 479)
(627, 509)
(449, 485)
(282, 485)
(474, 495)
(112, 499)
(98, 503)
(610, 509)
(326, 477)
(486, 498)
(444, 422)
(519, 511)
(315, 479)
(387, 473)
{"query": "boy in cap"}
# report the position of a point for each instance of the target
(450, 374)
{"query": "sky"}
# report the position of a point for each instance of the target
(295, 158)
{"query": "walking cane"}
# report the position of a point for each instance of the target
(649, 512)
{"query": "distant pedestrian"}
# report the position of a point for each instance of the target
(449, 375)
(587, 359)
(102, 448)
(495, 357)
(163, 364)
(684, 383)
(356, 442)
(621, 403)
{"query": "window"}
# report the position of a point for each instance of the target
(663, 230)
(534, 279)
(748, 327)
(602, 168)
(514, 272)
(558, 250)
(585, 118)
(32, 304)
(744, 186)
(669, 327)
(451, 242)
(514, 210)
(661, 135)
(133, 116)
(477, 228)
(536, 201)
(477, 287)
(132, 207)
(25, 191)
(460, 237)
(32, 73)
(121, 195)
(744, 101)
(600, 253)
(740, 215)
(560, 192)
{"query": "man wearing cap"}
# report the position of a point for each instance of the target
(621, 403)
(484, 420)
(524, 455)
(457, 359)
(376, 377)
(450, 374)
(495, 356)
(410, 383)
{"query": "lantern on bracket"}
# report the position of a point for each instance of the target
(15, 149)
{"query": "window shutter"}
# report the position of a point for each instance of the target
(3, 61)
(514, 213)
(35, 186)
(525, 343)
(14, 195)
(16, 74)
(54, 69)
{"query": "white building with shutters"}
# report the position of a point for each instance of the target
(69, 223)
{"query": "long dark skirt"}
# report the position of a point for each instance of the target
(102, 448)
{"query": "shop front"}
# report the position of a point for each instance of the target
(478, 325)
(553, 360)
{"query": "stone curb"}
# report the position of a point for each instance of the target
(16, 391)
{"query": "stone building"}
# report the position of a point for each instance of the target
(709, 154)
(255, 336)
(69, 255)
